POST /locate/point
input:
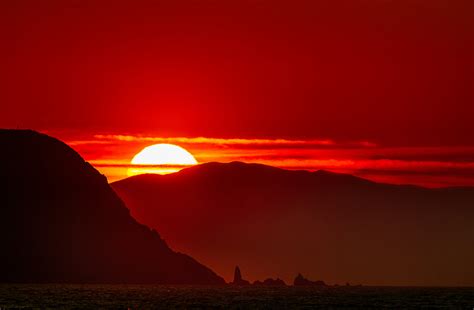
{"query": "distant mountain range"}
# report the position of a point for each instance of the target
(276, 223)
(60, 221)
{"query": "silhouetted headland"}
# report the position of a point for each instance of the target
(60, 221)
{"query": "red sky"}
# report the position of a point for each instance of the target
(396, 75)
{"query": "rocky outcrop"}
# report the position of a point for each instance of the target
(274, 282)
(270, 282)
(302, 281)
(238, 278)
(60, 221)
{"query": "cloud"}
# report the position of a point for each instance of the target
(233, 141)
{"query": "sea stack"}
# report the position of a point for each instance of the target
(238, 277)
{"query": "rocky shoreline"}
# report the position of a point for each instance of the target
(299, 280)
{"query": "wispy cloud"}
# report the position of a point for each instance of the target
(231, 141)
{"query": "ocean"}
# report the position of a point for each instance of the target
(94, 296)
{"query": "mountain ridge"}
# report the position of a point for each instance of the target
(320, 223)
(205, 167)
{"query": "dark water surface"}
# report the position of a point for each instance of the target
(197, 297)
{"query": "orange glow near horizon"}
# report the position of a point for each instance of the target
(430, 166)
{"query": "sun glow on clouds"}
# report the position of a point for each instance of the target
(428, 166)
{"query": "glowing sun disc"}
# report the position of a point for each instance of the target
(164, 154)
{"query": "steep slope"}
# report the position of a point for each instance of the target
(276, 223)
(61, 222)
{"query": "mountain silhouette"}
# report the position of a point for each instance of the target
(60, 221)
(330, 226)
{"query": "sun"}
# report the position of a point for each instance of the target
(164, 154)
(161, 158)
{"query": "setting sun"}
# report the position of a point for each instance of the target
(161, 159)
